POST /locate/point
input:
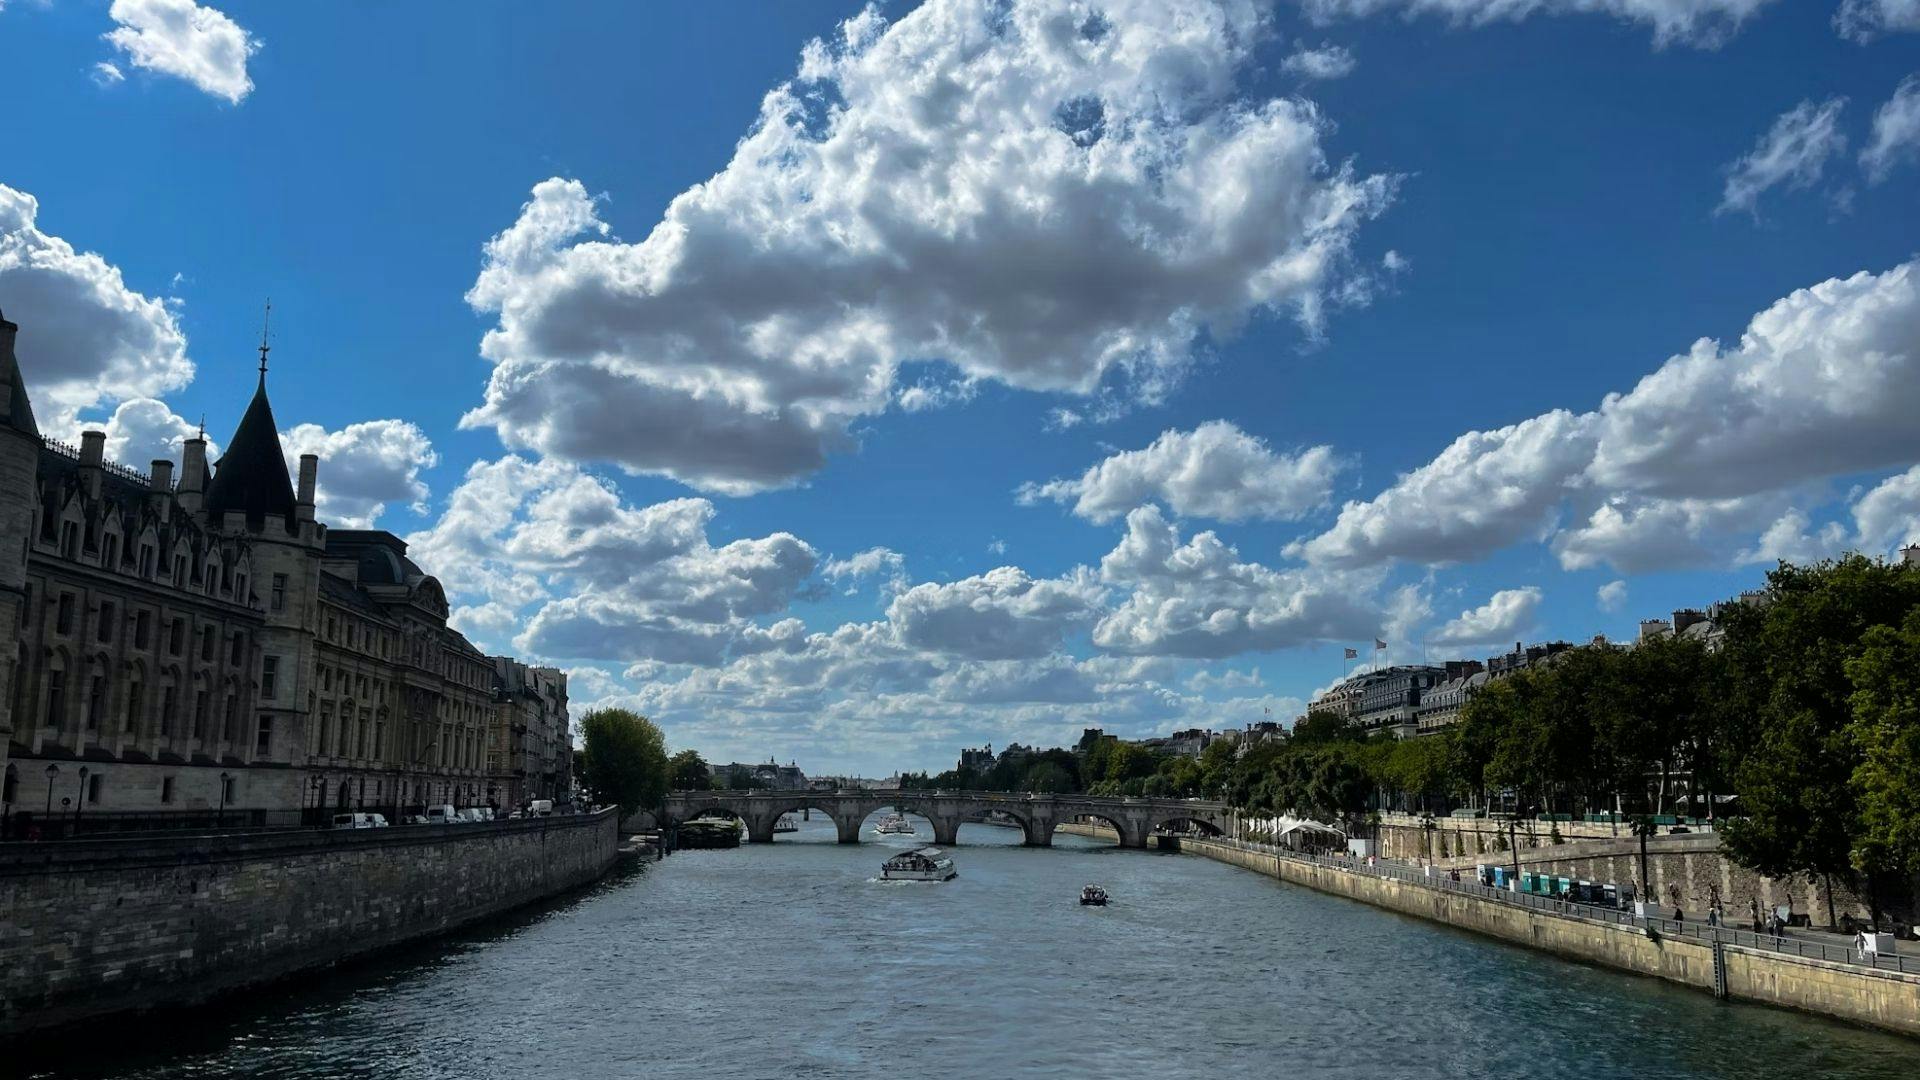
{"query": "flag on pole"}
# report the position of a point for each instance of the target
(1353, 654)
(1378, 644)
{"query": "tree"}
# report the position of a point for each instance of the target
(1795, 772)
(625, 759)
(688, 771)
(1321, 726)
(1046, 777)
(1886, 728)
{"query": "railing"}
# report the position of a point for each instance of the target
(1693, 931)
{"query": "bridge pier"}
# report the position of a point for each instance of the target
(848, 826)
(1039, 832)
(946, 831)
(760, 828)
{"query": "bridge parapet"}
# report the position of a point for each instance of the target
(1133, 819)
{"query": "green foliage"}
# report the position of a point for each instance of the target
(688, 771)
(1886, 731)
(625, 759)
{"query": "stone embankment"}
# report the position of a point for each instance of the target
(1779, 972)
(94, 927)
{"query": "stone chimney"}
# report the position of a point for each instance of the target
(93, 453)
(309, 478)
(193, 474)
(162, 480)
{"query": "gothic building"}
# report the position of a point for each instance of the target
(202, 647)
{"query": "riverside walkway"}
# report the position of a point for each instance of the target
(1810, 944)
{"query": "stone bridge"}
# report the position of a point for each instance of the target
(1038, 815)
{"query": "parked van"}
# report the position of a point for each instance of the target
(444, 814)
(540, 808)
(359, 821)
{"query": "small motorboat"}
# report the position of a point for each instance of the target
(894, 825)
(1093, 896)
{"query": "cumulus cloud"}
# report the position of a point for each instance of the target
(1888, 516)
(1612, 596)
(1864, 20)
(1199, 599)
(1325, 62)
(1508, 615)
(1698, 22)
(1485, 491)
(1794, 152)
(1821, 384)
(143, 430)
(1791, 539)
(105, 74)
(1033, 194)
(592, 578)
(183, 39)
(85, 337)
(363, 468)
(1215, 471)
(875, 562)
(1001, 615)
(1896, 130)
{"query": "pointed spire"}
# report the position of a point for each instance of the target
(252, 475)
(266, 322)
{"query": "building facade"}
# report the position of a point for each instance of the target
(531, 754)
(202, 647)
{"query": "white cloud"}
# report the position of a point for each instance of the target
(1508, 615)
(1198, 599)
(1215, 471)
(592, 578)
(105, 74)
(1790, 539)
(1698, 22)
(1896, 129)
(183, 39)
(142, 430)
(363, 468)
(876, 562)
(1888, 517)
(1325, 62)
(1822, 384)
(1612, 596)
(1042, 198)
(1864, 20)
(1794, 152)
(1485, 491)
(1000, 615)
(85, 337)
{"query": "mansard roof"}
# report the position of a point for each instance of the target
(252, 475)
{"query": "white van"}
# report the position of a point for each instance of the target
(359, 821)
(444, 814)
(540, 808)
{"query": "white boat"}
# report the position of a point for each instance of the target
(789, 822)
(894, 825)
(920, 864)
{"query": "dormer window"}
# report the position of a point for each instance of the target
(70, 540)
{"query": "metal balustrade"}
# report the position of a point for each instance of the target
(1694, 931)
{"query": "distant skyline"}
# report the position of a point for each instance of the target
(853, 384)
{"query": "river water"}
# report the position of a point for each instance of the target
(790, 960)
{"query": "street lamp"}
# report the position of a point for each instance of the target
(79, 800)
(52, 771)
(219, 816)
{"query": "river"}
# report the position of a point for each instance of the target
(790, 960)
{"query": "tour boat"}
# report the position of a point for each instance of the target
(894, 825)
(787, 823)
(920, 864)
(1093, 896)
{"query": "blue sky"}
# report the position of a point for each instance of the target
(1149, 353)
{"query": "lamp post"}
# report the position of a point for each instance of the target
(79, 800)
(220, 815)
(52, 771)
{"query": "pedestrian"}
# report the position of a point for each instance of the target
(1713, 915)
(1677, 916)
(1755, 906)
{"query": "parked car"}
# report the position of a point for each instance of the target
(416, 819)
(444, 814)
(359, 821)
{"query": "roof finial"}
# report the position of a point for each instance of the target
(203, 427)
(265, 322)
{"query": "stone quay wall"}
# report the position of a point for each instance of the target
(94, 927)
(1686, 869)
(1881, 999)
